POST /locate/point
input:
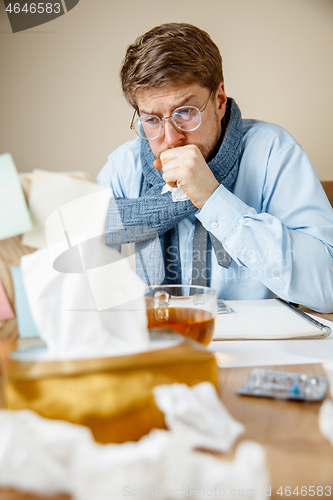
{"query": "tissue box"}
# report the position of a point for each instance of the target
(112, 396)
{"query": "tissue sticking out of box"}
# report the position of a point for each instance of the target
(84, 296)
(70, 310)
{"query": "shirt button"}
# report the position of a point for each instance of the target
(214, 225)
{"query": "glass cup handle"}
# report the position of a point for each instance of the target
(161, 304)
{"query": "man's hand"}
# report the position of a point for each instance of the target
(186, 166)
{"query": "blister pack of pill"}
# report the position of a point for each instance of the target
(284, 385)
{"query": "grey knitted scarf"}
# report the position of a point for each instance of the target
(151, 220)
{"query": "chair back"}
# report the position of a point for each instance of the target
(328, 188)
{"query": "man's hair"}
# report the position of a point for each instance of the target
(173, 53)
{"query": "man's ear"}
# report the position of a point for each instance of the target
(221, 100)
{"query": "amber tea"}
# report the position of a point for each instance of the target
(185, 309)
(194, 323)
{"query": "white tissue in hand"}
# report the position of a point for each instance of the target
(198, 415)
(64, 308)
(178, 193)
(48, 456)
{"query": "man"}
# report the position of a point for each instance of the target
(254, 223)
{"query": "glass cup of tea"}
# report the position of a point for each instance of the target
(188, 310)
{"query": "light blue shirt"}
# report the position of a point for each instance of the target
(276, 222)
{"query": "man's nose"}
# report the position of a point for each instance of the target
(172, 135)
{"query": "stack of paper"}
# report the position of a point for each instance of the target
(49, 192)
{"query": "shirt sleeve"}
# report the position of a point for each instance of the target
(109, 177)
(288, 243)
(122, 173)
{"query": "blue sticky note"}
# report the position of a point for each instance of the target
(26, 324)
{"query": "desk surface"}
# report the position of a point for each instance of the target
(297, 453)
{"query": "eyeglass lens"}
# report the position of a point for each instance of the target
(187, 118)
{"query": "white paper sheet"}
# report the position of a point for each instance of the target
(262, 319)
(273, 352)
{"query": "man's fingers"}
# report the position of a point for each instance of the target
(170, 179)
(172, 154)
(189, 150)
(158, 164)
(172, 184)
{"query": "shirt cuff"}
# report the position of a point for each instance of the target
(222, 212)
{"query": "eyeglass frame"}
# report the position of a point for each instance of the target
(205, 104)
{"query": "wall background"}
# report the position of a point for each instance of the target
(61, 106)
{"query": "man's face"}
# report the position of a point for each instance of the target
(163, 101)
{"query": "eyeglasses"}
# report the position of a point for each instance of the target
(186, 118)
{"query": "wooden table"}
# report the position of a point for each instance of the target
(297, 453)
